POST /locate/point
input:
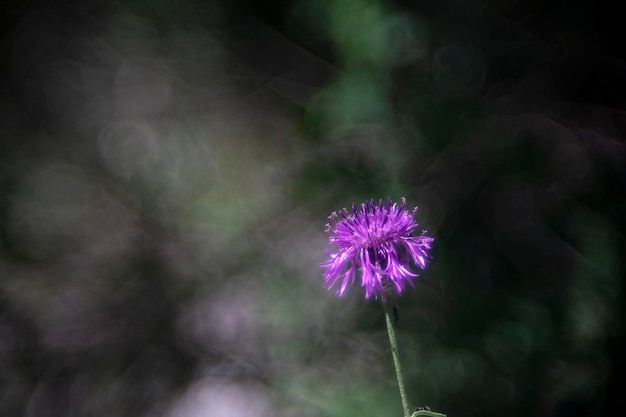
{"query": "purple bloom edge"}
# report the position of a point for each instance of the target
(377, 242)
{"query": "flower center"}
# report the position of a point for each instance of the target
(378, 256)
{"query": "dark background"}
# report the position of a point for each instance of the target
(166, 169)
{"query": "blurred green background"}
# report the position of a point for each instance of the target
(167, 167)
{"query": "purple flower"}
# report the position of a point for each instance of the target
(377, 242)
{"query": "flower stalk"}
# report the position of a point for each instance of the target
(394, 352)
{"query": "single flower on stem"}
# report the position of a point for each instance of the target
(377, 242)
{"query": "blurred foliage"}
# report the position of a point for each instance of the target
(167, 167)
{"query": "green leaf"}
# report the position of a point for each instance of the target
(427, 413)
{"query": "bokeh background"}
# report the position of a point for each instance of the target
(167, 167)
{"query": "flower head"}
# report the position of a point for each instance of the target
(375, 241)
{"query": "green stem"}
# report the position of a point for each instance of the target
(396, 359)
